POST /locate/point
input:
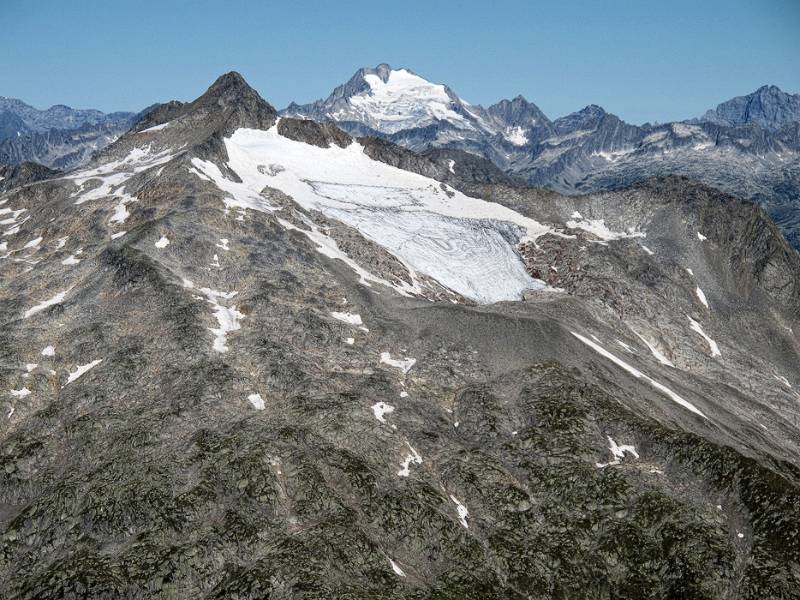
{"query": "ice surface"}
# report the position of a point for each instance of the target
(466, 244)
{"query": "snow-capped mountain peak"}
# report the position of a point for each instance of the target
(389, 100)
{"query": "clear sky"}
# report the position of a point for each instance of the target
(643, 60)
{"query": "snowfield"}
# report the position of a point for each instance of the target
(404, 100)
(466, 244)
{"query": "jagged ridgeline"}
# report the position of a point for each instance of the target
(748, 146)
(251, 356)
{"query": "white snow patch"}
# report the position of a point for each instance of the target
(71, 260)
(20, 393)
(701, 237)
(626, 347)
(408, 459)
(711, 343)
(450, 164)
(404, 394)
(516, 135)
(598, 228)
(617, 453)
(155, 128)
(646, 249)
(118, 234)
(701, 296)
(223, 244)
(463, 513)
(783, 380)
(61, 242)
(33, 243)
(257, 401)
(639, 375)
(163, 242)
(398, 571)
(380, 409)
(689, 271)
(349, 318)
(227, 317)
(655, 352)
(404, 364)
(49, 351)
(81, 369)
(58, 298)
(31, 366)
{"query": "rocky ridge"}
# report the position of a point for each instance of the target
(237, 365)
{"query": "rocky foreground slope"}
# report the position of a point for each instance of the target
(245, 356)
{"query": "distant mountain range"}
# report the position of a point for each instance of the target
(60, 137)
(748, 146)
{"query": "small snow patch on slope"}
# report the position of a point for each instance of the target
(655, 352)
(380, 409)
(404, 364)
(413, 457)
(639, 375)
(598, 228)
(398, 571)
(20, 393)
(617, 453)
(257, 401)
(701, 237)
(701, 296)
(462, 511)
(81, 369)
(163, 242)
(227, 317)
(49, 351)
(57, 299)
(711, 343)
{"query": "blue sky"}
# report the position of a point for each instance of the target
(641, 59)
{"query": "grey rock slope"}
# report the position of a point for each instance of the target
(235, 363)
(768, 106)
(748, 146)
(60, 137)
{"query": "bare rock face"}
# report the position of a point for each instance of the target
(233, 363)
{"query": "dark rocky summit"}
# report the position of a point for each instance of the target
(234, 365)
